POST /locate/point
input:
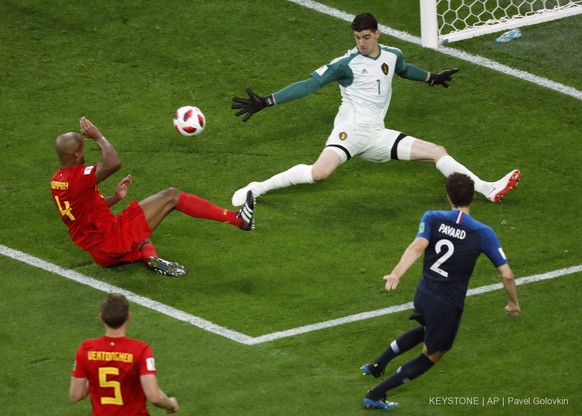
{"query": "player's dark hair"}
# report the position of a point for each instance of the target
(114, 310)
(460, 189)
(364, 21)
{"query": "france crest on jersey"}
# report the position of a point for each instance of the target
(455, 242)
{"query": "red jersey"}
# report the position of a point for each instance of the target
(81, 205)
(113, 367)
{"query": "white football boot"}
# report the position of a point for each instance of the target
(240, 196)
(500, 188)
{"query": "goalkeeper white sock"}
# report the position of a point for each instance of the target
(297, 175)
(448, 165)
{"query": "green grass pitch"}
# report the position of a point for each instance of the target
(319, 252)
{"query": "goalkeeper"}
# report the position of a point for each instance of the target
(364, 75)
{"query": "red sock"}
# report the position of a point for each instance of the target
(148, 250)
(200, 208)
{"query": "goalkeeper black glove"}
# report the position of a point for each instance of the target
(442, 78)
(251, 105)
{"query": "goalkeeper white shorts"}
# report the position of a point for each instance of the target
(374, 145)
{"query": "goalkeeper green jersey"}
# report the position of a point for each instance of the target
(365, 84)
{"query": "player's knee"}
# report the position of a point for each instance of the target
(171, 194)
(318, 177)
(320, 174)
(434, 357)
(439, 151)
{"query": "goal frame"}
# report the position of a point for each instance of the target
(432, 38)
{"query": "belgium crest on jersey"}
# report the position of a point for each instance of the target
(385, 68)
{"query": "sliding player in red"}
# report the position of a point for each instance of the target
(124, 238)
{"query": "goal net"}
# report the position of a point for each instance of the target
(445, 21)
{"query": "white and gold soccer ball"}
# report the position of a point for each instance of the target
(189, 121)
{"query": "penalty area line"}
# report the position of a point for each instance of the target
(406, 306)
(133, 297)
(237, 336)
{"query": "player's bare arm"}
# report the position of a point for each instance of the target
(79, 389)
(255, 103)
(512, 308)
(391, 281)
(110, 161)
(156, 396)
(409, 257)
(120, 192)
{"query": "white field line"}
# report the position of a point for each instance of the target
(456, 53)
(248, 340)
(237, 336)
(140, 300)
(406, 306)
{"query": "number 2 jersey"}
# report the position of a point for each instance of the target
(113, 367)
(455, 242)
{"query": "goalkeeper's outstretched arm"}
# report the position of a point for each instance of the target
(255, 103)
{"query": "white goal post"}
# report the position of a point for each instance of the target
(443, 21)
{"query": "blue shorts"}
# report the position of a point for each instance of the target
(441, 321)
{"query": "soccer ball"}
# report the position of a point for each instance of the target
(189, 121)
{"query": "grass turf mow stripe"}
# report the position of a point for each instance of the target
(237, 336)
(465, 56)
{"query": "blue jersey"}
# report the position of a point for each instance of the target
(455, 242)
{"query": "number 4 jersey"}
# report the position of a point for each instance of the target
(455, 242)
(113, 367)
(81, 204)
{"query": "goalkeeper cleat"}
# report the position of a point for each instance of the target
(240, 196)
(381, 404)
(372, 370)
(247, 213)
(167, 268)
(500, 188)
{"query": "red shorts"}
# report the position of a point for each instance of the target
(122, 238)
